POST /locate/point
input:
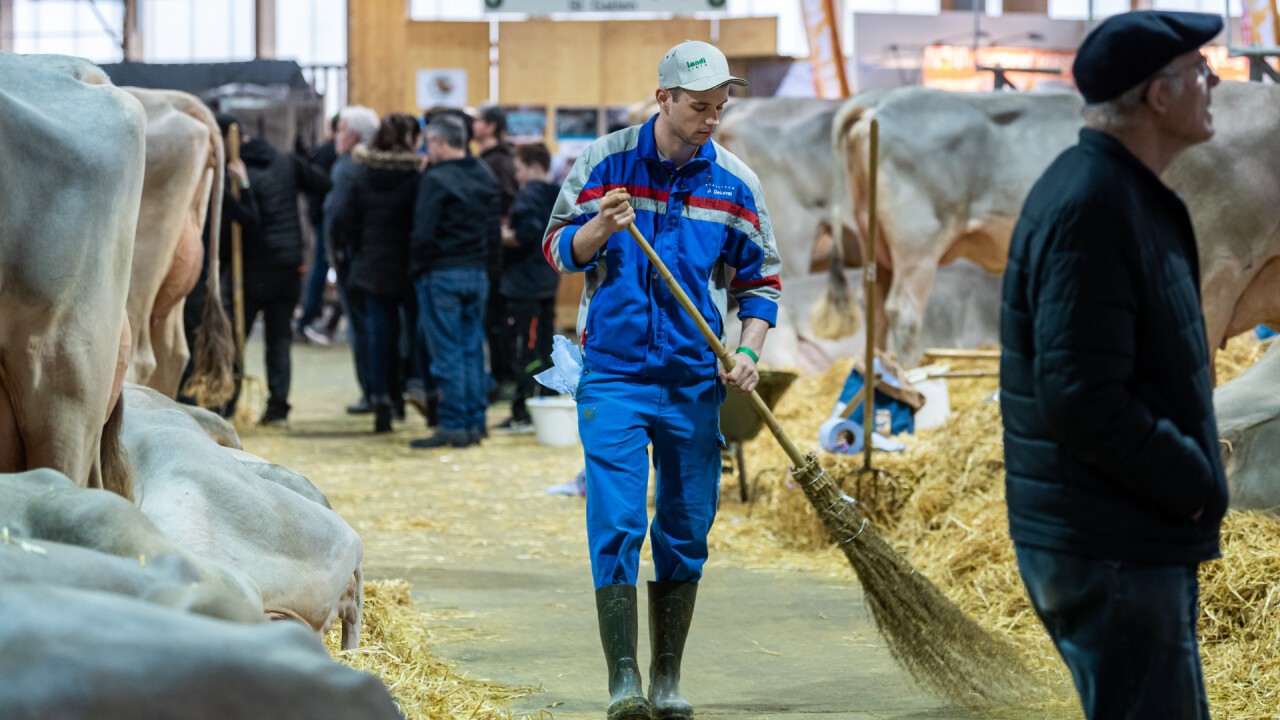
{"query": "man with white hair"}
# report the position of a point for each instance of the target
(1114, 479)
(356, 125)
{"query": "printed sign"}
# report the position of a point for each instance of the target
(442, 87)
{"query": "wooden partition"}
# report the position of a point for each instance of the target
(540, 62)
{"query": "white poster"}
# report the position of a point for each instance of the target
(546, 7)
(442, 86)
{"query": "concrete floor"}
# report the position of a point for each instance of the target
(765, 644)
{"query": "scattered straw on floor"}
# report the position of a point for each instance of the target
(941, 504)
(394, 645)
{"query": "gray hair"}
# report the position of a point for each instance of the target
(1118, 113)
(449, 130)
(362, 120)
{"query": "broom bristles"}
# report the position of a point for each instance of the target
(926, 633)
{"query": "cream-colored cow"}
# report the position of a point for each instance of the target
(184, 168)
(70, 184)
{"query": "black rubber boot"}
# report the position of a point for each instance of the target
(670, 613)
(616, 608)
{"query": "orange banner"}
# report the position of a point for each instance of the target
(829, 80)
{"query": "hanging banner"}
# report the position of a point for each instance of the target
(825, 55)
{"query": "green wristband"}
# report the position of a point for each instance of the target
(747, 351)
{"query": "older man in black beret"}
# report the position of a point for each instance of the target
(1114, 479)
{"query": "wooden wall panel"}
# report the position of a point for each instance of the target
(750, 37)
(631, 52)
(376, 31)
(549, 63)
(446, 45)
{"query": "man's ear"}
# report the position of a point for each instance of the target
(664, 99)
(1158, 96)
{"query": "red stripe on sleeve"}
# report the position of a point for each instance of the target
(768, 281)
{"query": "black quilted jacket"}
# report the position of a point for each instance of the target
(1111, 445)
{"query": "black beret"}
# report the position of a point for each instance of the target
(1127, 49)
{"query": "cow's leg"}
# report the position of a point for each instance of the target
(12, 455)
(113, 461)
(350, 609)
(170, 344)
(904, 308)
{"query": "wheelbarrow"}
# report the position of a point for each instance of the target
(739, 421)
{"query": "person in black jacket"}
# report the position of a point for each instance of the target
(528, 285)
(490, 130)
(273, 260)
(242, 210)
(379, 217)
(1114, 479)
(455, 231)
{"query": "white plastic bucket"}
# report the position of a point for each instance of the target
(555, 420)
(937, 403)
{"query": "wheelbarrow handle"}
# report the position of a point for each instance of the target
(726, 358)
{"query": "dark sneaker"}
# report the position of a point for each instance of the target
(443, 438)
(361, 407)
(274, 417)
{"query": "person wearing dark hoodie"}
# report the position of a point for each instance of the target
(378, 217)
(455, 232)
(529, 283)
(273, 260)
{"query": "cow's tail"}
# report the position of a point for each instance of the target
(836, 314)
(117, 473)
(351, 608)
(212, 380)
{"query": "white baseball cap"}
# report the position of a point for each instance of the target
(697, 66)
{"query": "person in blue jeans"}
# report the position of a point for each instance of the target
(1113, 474)
(650, 379)
(456, 230)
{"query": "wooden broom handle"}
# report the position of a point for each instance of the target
(726, 358)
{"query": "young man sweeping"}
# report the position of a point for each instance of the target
(649, 377)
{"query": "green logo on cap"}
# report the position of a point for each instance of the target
(697, 63)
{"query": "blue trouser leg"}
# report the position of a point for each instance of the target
(618, 418)
(353, 303)
(1126, 631)
(317, 275)
(474, 324)
(686, 456)
(452, 305)
(383, 325)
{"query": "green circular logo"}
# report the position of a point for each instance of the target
(716, 3)
(495, 4)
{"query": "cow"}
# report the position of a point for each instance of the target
(955, 169)
(1248, 411)
(185, 166)
(75, 654)
(787, 141)
(213, 424)
(304, 559)
(55, 533)
(70, 186)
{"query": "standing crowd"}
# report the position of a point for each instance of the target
(437, 256)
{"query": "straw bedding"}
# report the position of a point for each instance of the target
(394, 646)
(941, 504)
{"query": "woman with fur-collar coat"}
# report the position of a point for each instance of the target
(378, 218)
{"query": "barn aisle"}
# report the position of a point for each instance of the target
(502, 566)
